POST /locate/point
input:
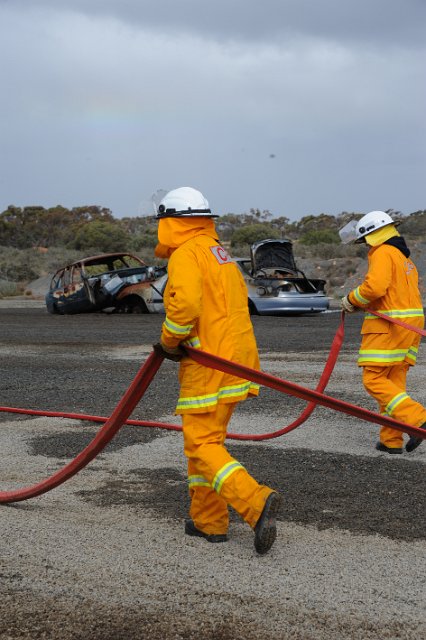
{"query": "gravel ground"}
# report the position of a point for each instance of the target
(104, 555)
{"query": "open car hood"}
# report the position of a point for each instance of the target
(273, 254)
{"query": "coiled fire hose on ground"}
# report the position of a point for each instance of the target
(146, 374)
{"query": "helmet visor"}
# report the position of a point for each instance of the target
(149, 205)
(348, 232)
(156, 199)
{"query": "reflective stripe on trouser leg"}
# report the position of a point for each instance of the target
(204, 437)
(388, 386)
(208, 510)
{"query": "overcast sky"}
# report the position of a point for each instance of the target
(296, 106)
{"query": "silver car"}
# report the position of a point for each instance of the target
(276, 286)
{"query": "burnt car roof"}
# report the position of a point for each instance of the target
(272, 254)
(103, 256)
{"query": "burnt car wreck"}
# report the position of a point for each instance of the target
(276, 286)
(119, 282)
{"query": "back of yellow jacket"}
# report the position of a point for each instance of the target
(390, 287)
(207, 307)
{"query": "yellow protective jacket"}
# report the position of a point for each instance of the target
(206, 307)
(390, 287)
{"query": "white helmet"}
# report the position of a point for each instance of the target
(184, 202)
(371, 222)
(355, 231)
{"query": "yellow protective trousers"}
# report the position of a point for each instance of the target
(387, 385)
(215, 478)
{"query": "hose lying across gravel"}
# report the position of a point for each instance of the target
(120, 414)
(146, 374)
(325, 377)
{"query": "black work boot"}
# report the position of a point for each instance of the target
(265, 530)
(191, 530)
(383, 447)
(414, 442)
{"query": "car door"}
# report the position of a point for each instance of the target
(68, 291)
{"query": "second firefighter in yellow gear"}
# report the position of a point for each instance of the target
(388, 350)
(207, 308)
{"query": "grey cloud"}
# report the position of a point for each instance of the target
(105, 102)
(376, 22)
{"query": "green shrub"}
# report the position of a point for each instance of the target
(107, 236)
(329, 251)
(8, 288)
(149, 239)
(252, 233)
(317, 236)
(20, 265)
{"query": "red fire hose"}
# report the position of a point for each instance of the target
(142, 381)
(325, 377)
(120, 414)
(400, 323)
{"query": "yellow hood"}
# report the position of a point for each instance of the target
(381, 235)
(173, 232)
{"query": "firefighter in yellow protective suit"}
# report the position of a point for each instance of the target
(207, 308)
(388, 350)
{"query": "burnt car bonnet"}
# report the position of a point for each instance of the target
(273, 254)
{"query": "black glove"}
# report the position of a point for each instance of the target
(171, 353)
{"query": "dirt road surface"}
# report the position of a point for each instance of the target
(104, 555)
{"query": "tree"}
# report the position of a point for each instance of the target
(105, 236)
(252, 233)
(282, 224)
(313, 223)
(414, 224)
(139, 225)
(147, 240)
(263, 216)
(35, 226)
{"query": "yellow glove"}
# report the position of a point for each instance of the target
(347, 306)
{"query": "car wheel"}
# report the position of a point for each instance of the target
(52, 308)
(132, 305)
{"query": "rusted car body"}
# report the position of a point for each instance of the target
(119, 282)
(276, 286)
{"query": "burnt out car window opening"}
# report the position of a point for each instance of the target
(67, 277)
(57, 280)
(76, 275)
